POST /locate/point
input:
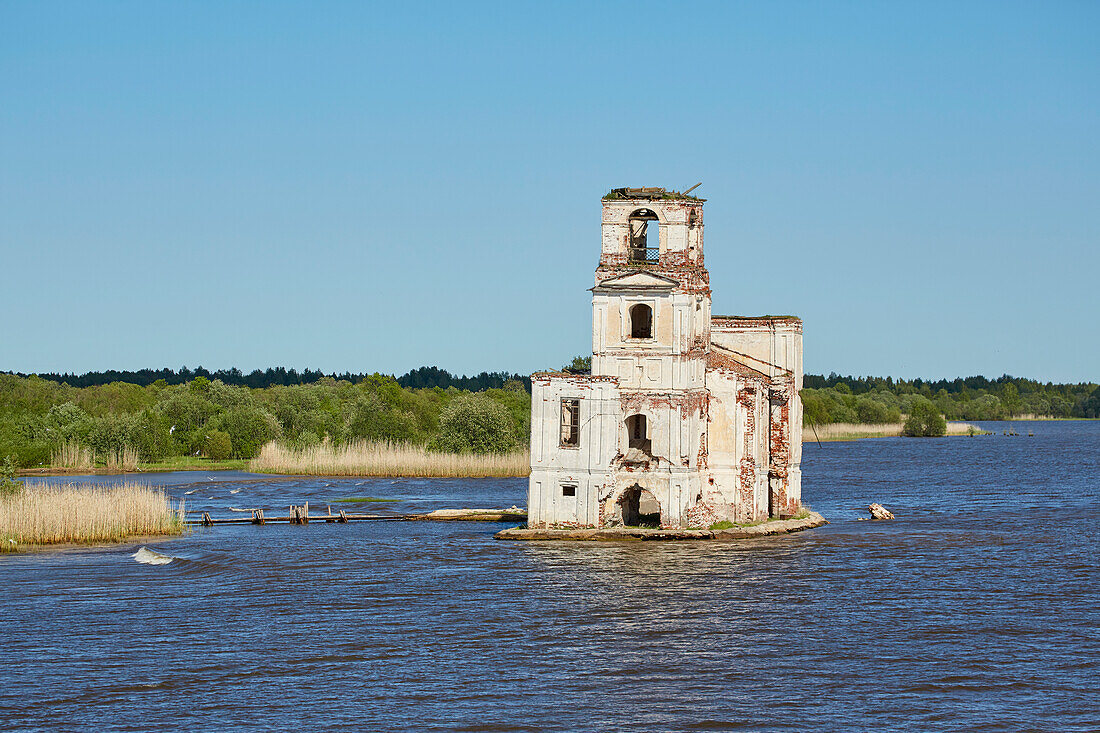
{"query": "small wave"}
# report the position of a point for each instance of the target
(150, 557)
(237, 509)
(188, 493)
(234, 491)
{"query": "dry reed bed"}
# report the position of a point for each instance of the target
(41, 514)
(850, 431)
(366, 458)
(75, 457)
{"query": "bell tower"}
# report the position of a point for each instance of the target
(651, 302)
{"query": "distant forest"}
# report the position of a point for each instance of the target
(970, 398)
(839, 399)
(423, 378)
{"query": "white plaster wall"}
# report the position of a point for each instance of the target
(588, 465)
(674, 359)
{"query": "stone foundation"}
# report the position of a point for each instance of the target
(611, 534)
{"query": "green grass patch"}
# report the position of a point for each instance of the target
(194, 463)
(361, 499)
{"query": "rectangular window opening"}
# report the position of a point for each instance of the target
(568, 490)
(570, 423)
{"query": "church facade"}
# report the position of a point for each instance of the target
(686, 418)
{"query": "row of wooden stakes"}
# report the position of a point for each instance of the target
(297, 515)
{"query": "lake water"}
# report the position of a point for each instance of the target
(976, 609)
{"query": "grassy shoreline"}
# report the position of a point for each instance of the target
(838, 432)
(177, 463)
(364, 458)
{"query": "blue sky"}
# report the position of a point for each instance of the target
(348, 186)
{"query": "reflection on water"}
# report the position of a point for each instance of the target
(974, 609)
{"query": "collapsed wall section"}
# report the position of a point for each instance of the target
(765, 351)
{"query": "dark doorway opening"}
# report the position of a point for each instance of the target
(640, 508)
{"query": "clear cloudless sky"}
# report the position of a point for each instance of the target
(373, 187)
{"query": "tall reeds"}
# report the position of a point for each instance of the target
(366, 458)
(42, 514)
(124, 459)
(72, 456)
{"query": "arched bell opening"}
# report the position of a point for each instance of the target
(644, 246)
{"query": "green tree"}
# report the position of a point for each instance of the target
(8, 483)
(218, 445)
(925, 421)
(872, 411)
(579, 364)
(474, 423)
(249, 428)
(1010, 398)
(1091, 406)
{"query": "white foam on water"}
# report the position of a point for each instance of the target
(150, 557)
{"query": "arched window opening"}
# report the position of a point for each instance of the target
(641, 321)
(644, 246)
(637, 432)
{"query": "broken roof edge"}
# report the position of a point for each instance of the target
(648, 194)
(583, 376)
(719, 353)
(750, 323)
(755, 318)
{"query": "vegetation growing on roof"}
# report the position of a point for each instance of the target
(650, 194)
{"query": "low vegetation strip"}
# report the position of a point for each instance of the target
(854, 431)
(40, 514)
(370, 458)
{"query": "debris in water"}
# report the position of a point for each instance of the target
(878, 511)
(150, 557)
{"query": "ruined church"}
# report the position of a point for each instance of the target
(686, 418)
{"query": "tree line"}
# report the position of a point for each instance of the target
(422, 378)
(837, 399)
(209, 417)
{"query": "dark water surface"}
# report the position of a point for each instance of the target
(975, 610)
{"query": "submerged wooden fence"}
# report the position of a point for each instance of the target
(301, 515)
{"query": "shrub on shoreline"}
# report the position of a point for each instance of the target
(924, 421)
